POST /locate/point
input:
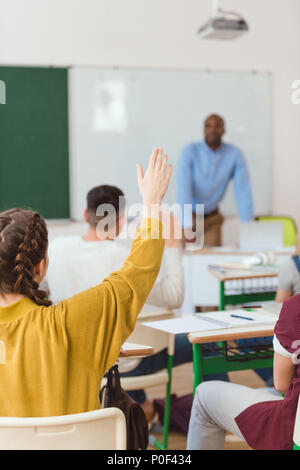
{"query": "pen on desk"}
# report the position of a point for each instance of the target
(243, 318)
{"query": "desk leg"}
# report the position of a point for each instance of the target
(168, 403)
(197, 364)
(222, 307)
(164, 445)
(222, 295)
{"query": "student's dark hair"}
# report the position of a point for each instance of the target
(23, 244)
(104, 194)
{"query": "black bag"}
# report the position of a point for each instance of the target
(136, 422)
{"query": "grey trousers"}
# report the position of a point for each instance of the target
(215, 406)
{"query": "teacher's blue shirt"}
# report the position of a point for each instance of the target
(204, 174)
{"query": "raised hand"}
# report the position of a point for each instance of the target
(154, 184)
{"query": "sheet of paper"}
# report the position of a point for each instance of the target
(183, 325)
(133, 346)
(257, 318)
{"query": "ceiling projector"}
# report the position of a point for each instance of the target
(223, 25)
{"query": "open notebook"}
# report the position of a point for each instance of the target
(236, 318)
(212, 321)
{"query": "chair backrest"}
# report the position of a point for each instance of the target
(289, 227)
(261, 236)
(95, 430)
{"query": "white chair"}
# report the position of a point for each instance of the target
(159, 340)
(261, 236)
(95, 430)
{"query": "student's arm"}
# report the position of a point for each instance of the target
(282, 295)
(98, 321)
(283, 372)
(242, 189)
(285, 281)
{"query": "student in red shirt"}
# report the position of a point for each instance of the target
(265, 420)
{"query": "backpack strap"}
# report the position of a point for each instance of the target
(296, 260)
(114, 382)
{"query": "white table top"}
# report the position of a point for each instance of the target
(234, 333)
(133, 349)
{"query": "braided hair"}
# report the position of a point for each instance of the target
(23, 244)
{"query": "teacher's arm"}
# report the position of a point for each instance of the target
(242, 189)
(185, 184)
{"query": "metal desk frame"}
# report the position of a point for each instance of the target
(217, 364)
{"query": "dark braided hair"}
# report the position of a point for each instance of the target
(23, 244)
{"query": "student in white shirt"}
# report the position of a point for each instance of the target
(79, 262)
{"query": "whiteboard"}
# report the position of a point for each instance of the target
(118, 115)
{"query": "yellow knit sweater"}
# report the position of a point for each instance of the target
(52, 359)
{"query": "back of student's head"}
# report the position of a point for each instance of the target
(105, 196)
(23, 244)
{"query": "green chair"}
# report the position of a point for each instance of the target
(289, 227)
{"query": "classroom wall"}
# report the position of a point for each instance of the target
(162, 33)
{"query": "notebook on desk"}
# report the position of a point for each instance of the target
(239, 317)
(212, 321)
(185, 324)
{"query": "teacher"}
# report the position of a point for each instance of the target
(204, 172)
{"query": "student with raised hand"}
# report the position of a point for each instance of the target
(53, 358)
(264, 420)
(80, 262)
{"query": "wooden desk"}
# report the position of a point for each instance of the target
(235, 361)
(136, 350)
(243, 293)
(201, 288)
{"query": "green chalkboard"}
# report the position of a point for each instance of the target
(34, 160)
